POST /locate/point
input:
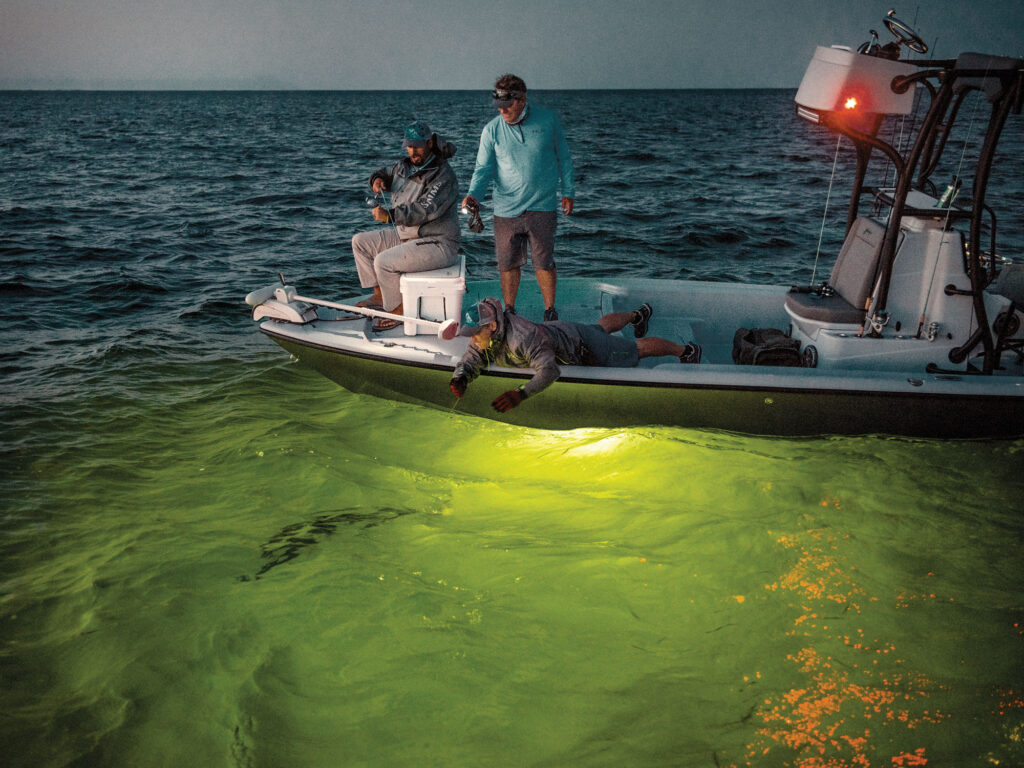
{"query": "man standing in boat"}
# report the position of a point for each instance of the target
(501, 337)
(423, 216)
(524, 151)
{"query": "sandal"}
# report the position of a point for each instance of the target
(385, 324)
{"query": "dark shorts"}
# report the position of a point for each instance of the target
(512, 235)
(608, 350)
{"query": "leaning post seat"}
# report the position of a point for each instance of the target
(852, 278)
(435, 295)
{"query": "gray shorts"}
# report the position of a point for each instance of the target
(512, 235)
(605, 349)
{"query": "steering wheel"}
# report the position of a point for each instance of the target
(904, 34)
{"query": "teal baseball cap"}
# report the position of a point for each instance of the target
(483, 312)
(417, 134)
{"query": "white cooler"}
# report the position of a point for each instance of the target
(435, 295)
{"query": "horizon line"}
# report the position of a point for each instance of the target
(191, 89)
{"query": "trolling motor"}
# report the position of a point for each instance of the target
(282, 303)
(278, 302)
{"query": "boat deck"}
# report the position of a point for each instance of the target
(677, 317)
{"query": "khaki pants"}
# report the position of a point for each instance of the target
(382, 257)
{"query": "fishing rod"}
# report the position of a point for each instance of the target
(379, 201)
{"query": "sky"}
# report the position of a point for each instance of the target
(462, 44)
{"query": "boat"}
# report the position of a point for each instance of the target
(916, 332)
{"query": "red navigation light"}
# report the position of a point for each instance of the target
(851, 103)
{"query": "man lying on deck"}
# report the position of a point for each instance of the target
(506, 339)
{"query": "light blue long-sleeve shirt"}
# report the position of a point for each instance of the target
(527, 162)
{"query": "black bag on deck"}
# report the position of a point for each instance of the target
(764, 346)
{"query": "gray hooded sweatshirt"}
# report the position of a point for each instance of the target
(519, 343)
(423, 197)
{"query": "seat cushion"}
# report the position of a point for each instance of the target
(853, 275)
(826, 309)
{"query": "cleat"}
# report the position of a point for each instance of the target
(550, 314)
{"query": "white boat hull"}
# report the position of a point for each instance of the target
(889, 394)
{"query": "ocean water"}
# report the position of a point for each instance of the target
(211, 556)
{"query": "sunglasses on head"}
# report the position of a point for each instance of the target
(503, 95)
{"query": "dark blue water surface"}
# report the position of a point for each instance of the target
(141, 216)
(211, 556)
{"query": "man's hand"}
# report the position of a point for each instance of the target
(508, 400)
(567, 206)
(458, 386)
(377, 186)
(472, 207)
(381, 214)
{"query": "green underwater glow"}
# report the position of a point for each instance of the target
(283, 573)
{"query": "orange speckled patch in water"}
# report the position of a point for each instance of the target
(833, 718)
